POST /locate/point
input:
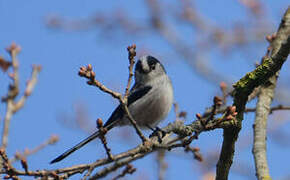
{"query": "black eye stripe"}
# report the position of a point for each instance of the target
(152, 61)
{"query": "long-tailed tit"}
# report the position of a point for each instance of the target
(149, 100)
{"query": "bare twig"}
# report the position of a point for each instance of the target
(162, 165)
(223, 109)
(103, 131)
(217, 102)
(29, 87)
(12, 106)
(9, 170)
(4, 64)
(24, 164)
(131, 55)
(128, 170)
(88, 73)
(52, 140)
(195, 151)
(224, 89)
(178, 114)
(89, 172)
(13, 92)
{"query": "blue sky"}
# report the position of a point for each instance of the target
(59, 89)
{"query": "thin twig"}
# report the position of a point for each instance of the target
(124, 100)
(12, 93)
(217, 102)
(12, 106)
(52, 140)
(162, 165)
(224, 89)
(4, 64)
(89, 172)
(103, 131)
(179, 114)
(128, 170)
(133, 122)
(247, 110)
(88, 73)
(131, 56)
(29, 87)
(195, 151)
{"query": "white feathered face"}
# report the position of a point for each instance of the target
(148, 68)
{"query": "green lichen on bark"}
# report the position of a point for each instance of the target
(244, 87)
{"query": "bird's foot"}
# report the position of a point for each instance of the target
(157, 132)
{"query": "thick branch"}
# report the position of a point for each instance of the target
(263, 108)
(244, 87)
(260, 129)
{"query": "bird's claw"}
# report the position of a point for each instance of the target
(159, 133)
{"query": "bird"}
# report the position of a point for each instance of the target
(149, 101)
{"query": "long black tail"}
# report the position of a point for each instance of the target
(81, 144)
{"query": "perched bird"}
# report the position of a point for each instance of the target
(149, 101)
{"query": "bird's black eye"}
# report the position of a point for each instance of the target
(152, 66)
(152, 62)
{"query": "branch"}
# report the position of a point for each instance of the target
(12, 106)
(102, 137)
(128, 170)
(263, 107)
(13, 50)
(122, 159)
(131, 55)
(88, 73)
(162, 165)
(244, 87)
(260, 128)
(18, 156)
(223, 109)
(4, 64)
(153, 144)
(124, 100)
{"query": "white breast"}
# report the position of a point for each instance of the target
(154, 106)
